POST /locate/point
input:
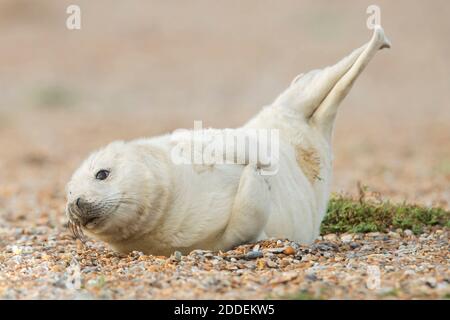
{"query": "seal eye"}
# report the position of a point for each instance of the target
(102, 175)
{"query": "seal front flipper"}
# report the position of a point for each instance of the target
(250, 211)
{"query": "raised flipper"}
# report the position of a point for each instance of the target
(317, 94)
(325, 114)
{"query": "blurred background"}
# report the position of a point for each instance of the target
(142, 68)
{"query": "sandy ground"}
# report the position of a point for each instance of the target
(146, 68)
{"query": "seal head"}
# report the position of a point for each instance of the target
(113, 193)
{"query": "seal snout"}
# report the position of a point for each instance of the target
(83, 211)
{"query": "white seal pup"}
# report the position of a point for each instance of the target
(133, 196)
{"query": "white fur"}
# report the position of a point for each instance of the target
(166, 207)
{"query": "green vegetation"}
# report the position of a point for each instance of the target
(348, 215)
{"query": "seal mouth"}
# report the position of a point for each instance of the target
(77, 221)
(76, 226)
(89, 222)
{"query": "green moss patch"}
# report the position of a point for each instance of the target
(349, 215)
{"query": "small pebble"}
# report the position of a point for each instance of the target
(394, 235)
(289, 251)
(431, 282)
(253, 255)
(177, 255)
(346, 238)
(408, 233)
(271, 264)
(311, 277)
(354, 245)
(331, 237)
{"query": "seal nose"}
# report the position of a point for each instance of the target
(82, 205)
(78, 203)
